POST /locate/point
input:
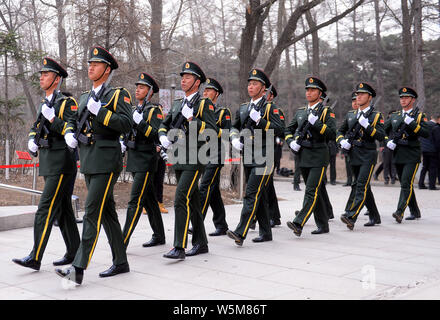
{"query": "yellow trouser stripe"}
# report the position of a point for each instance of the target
(365, 192)
(137, 208)
(268, 177)
(314, 198)
(267, 126)
(255, 203)
(219, 133)
(209, 188)
(187, 206)
(202, 128)
(98, 226)
(48, 217)
(411, 188)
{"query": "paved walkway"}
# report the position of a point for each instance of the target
(390, 261)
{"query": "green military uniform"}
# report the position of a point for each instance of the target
(313, 159)
(407, 154)
(188, 168)
(256, 172)
(57, 165)
(142, 162)
(210, 194)
(101, 164)
(363, 157)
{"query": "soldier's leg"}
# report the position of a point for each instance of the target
(355, 173)
(370, 204)
(272, 201)
(218, 207)
(99, 187)
(207, 186)
(362, 183)
(262, 216)
(199, 233)
(48, 209)
(348, 170)
(186, 184)
(325, 203)
(313, 178)
(153, 210)
(408, 173)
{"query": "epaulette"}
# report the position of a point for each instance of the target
(301, 108)
(351, 111)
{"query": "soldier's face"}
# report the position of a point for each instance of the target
(188, 82)
(354, 104)
(210, 93)
(406, 102)
(313, 94)
(141, 91)
(255, 89)
(47, 80)
(96, 70)
(363, 98)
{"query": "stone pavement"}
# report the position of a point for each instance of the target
(390, 261)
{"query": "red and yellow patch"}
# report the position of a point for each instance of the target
(159, 116)
(126, 99)
(74, 107)
(382, 121)
(211, 107)
(275, 111)
(228, 118)
(281, 117)
(425, 119)
(332, 115)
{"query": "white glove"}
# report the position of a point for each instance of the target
(312, 118)
(391, 145)
(237, 144)
(408, 119)
(345, 144)
(165, 142)
(70, 140)
(137, 117)
(278, 140)
(123, 147)
(363, 121)
(48, 113)
(295, 146)
(32, 146)
(94, 106)
(187, 112)
(255, 115)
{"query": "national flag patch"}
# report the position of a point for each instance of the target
(159, 116)
(275, 111)
(332, 115)
(126, 99)
(425, 119)
(382, 121)
(281, 117)
(211, 107)
(228, 118)
(74, 107)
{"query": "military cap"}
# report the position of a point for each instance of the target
(146, 79)
(53, 66)
(211, 83)
(259, 75)
(313, 82)
(366, 88)
(99, 54)
(192, 68)
(353, 96)
(407, 92)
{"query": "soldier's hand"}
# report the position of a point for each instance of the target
(255, 115)
(363, 121)
(408, 119)
(294, 146)
(165, 142)
(123, 147)
(237, 144)
(32, 146)
(137, 117)
(94, 106)
(187, 112)
(70, 140)
(48, 113)
(345, 144)
(312, 118)
(391, 145)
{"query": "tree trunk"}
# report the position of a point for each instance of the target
(315, 44)
(406, 44)
(418, 44)
(379, 67)
(156, 52)
(62, 38)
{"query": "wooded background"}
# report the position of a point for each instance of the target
(388, 43)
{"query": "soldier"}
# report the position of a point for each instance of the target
(142, 161)
(313, 154)
(104, 114)
(362, 153)
(354, 107)
(57, 166)
(407, 152)
(210, 183)
(195, 112)
(257, 173)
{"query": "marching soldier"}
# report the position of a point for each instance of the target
(256, 173)
(210, 183)
(142, 162)
(313, 154)
(57, 166)
(197, 113)
(354, 107)
(362, 153)
(104, 114)
(407, 152)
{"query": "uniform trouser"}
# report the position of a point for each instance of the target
(389, 169)
(274, 210)
(100, 209)
(297, 173)
(158, 179)
(187, 208)
(332, 165)
(407, 173)
(348, 170)
(313, 201)
(361, 194)
(210, 196)
(255, 202)
(142, 196)
(277, 156)
(327, 206)
(430, 165)
(55, 203)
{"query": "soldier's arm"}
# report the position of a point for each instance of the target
(387, 130)
(150, 130)
(68, 113)
(236, 126)
(326, 124)
(226, 120)
(205, 117)
(273, 123)
(340, 134)
(117, 114)
(376, 129)
(418, 127)
(290, 130)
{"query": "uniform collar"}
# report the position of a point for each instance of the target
(256, 101)
(190, 96)
(407, 112)
(96, 90)
(313, 107)
(49, 98)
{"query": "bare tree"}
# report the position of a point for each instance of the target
(418, 46)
